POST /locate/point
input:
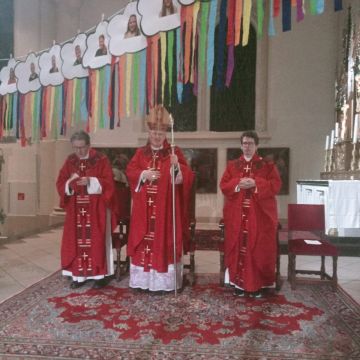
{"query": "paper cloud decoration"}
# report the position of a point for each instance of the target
(27, 73)
(97, 53)
(72, 56)
(8, 78)
(124, 32)
(159, 15)
(50, 67)
(189, 2)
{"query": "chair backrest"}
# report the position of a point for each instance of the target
(305, 217)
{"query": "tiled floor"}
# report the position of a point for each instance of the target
(24, 262)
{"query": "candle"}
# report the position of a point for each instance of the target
(356, 128)
(332, 139)
(327, 142)
(336, 130)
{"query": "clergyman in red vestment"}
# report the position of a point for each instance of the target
(250, 185)
(86, 188)
(150, 243)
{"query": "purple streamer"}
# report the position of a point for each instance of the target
(230, 65)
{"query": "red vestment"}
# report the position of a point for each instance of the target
(83, 242)
(250, 218)
(150, 243)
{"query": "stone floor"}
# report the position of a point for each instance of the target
(26, 261)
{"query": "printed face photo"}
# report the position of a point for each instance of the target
(168, 8)
(78, 57)
(132, 28)
(102, 50)
(33, 74)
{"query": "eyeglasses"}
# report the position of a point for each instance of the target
(248, 143)
(78, 148)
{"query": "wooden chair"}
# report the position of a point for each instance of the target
(120, 237)
(221, 252)
(304, 217)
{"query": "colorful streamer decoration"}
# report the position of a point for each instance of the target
(173, 61)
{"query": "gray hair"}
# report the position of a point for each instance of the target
(80, 135)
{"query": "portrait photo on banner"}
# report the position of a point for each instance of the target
(72, 58)
(97, 53)
(159, 15)
(50, 67)
(27, 73)
(125, 33)
(8, 78)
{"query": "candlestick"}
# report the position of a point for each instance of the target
(356, 126)
(332, 139)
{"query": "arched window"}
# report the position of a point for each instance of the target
(233, 108)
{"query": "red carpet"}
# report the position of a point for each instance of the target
(48, 321)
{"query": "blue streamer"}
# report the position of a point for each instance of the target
(271, 29)
(221, 42)
(320, 6)
(179, 66)
(84, 82)
(210, 42)
(338, 5)
(60, 107)
(106, 92)
(286, 15)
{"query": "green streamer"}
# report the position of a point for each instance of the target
(205, 6)
(313, 7)
(100, 99)
(54, 125)
(260, 18)
(136, 60)
(77, 100)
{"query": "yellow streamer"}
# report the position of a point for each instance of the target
(51, 109)
(238, 17)
(246, 21)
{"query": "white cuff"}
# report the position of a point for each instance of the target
(94, 186)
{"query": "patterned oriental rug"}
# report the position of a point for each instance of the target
(50, 321)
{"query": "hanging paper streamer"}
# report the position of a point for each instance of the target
(135, 88)
(313, 4)
(238, 17)
(142, 82)
(187, 50)
(230, 66)
(149, 83)
(129, 65)
(155, 58)
(203, 37)
(121, 76)
(221, 45)
(210, 41)
(286, 15)
(194, 42)
(111, 98)
(260, 18)
(271, 29)
(320, 7)
(230, 38)
(246, 21)
(276, 8)
(338, 5)
(179, 65)
(299, 10)
(163, 65)
(84, 98)
(170, 62)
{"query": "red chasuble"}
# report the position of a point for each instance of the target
(250, 218)
(150, 243)
(83, 250)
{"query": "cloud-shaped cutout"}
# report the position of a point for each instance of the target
(72, 56)
(27, 73)
(8, 78)
(188, 2)
(97, 53)
(124, 32)
(159, 15)
(50, 67)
